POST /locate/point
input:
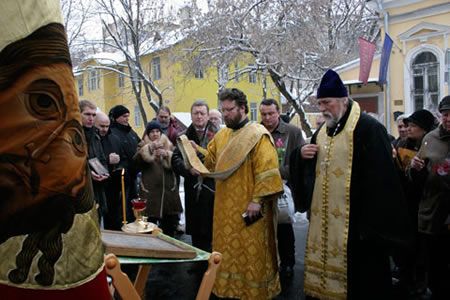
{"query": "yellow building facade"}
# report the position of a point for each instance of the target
(419, 65)
(96, 81)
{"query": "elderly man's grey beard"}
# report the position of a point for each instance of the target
(330, 120)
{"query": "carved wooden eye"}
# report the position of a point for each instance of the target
(43, 106)
(44, 98)
(76, 137)
(77, 141)
(44, 101)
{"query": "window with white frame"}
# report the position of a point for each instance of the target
(198, 69)
(80, 86)
(252, 74)
(137, 116)
(236, 72)
(223, 73)
(425, 76)
(253, 111)
(121, 78)
(156, 68)
(447, 63)
(93, 80)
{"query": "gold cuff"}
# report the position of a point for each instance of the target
(257, 200)
(202, 151)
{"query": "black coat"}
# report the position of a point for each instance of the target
(111, 144)
(129, 141)
(95, 149)
(378, 214)
(199, 204)
(113, 219)
(412, 190)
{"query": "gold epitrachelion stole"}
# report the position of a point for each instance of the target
(326, 251)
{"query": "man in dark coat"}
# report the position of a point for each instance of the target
(286, 137)
(199, 192)
(88, 113)
(430, 168)
(169, 125)
(111, 147)
(346, 177)
(129, 140)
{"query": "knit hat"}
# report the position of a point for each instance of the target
(331, 85)
(444, 104)
(152, 125)
(422, 118)
(117, 111)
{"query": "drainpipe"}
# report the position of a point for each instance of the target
(388, 84)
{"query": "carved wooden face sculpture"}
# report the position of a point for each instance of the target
(43, 170)
(43, 149)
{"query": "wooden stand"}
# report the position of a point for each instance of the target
(206, 285)
(127, 291)
(121, 281)
(209, 277)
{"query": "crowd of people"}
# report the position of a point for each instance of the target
(378, 207)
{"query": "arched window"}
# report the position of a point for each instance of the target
(425, 73)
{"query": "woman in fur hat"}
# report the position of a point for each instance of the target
(158, 185)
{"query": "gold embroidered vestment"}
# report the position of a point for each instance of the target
(249, 267)
(326, 251)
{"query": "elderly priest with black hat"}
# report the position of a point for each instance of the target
(346, 178)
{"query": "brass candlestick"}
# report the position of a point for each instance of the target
(140, 225)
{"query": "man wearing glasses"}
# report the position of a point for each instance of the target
(245, 165)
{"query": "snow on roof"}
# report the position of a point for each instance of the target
(183, 117)
(102, 58)
(347, 65)
(355, 81)
(113, 58)
(167, 40)
(108, 58)
(77, 71)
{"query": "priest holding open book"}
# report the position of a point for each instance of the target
(243, 160)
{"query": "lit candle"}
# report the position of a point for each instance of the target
(123, 199)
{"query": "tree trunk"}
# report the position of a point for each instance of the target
(136, 86)
(149, 98)
(279, 83)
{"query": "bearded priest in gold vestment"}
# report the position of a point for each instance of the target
(245, 160)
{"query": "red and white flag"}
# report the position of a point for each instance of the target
(366, 52)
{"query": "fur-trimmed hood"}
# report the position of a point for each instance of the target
(146, 147)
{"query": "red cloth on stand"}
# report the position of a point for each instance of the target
(96, 289)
